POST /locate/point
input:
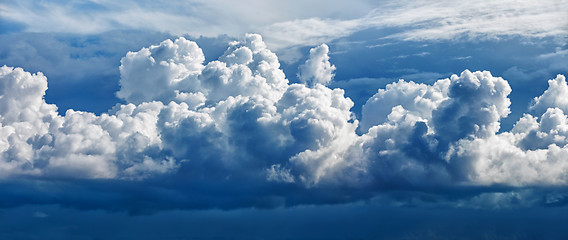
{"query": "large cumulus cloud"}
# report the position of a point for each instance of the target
(235, 132)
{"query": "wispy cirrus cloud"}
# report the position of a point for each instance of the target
(196, 17)
(433, 20)
(294, 23)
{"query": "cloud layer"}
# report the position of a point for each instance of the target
(235, 132)
(293, 23)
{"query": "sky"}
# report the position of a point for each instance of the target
(283, 119)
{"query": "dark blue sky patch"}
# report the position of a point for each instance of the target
(7, 26)
(311, 222)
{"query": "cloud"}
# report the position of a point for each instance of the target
(554, 96)
(479, 19)
(419, 98)
(82, 69)
(317, 69)
(531, 154)
(153, 73)
(299, 23)
(234, 132)
(427, 20)
(176, 17)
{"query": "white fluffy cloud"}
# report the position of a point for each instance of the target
(238, 111)
(154, 73)
(421, 99)
(554, 96)
(317, 69)
(531, 154)
(238, 118)
(23, 117)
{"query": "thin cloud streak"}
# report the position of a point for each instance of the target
(413, 20)
(433, 20)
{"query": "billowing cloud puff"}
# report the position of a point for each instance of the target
(317, 69)
(24, 120)
(189, 127)
(409, 143)
(531, 154)
(36, 141)
(554, 96)
(421, 99)
(153, 73)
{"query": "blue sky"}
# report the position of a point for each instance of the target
(283, 120)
